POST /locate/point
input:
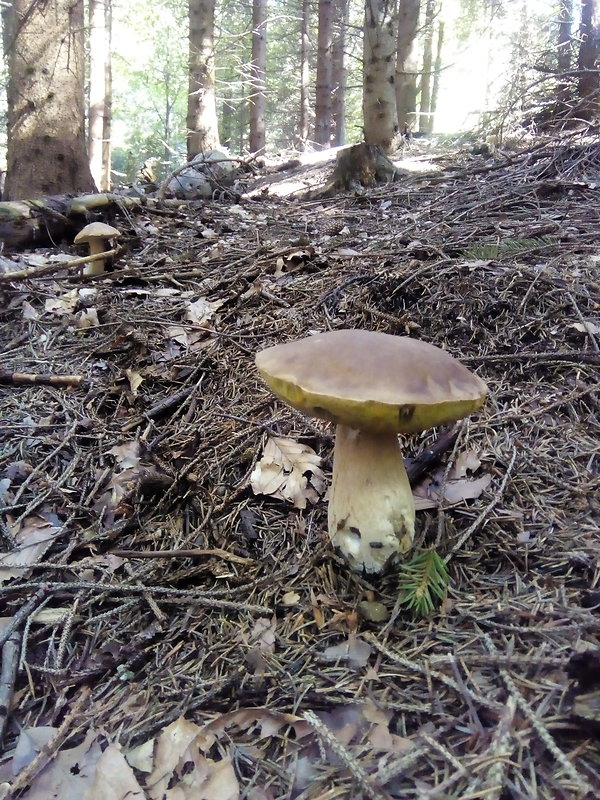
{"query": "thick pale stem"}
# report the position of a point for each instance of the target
(95, 267)
(371, 510)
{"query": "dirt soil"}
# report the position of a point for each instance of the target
(169, 633)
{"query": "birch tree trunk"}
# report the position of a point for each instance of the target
(46, 110)
(304, 125)
(407, 67)
(258, 72)
(324, 75)
(203, 132)
(379, 91)
(338, 103)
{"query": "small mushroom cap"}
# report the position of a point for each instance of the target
(372, 381)
(96, 230)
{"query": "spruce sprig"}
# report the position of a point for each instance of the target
(423, 582)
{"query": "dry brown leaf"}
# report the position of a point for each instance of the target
(354, 650)
(113, 779)
(32, 540)
(65, 304)
(70, 773)
(202, 310)
(282, 472)
(135, 380)
(127, 455)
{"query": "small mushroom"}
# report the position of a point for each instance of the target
(98, 236)
(373, 386)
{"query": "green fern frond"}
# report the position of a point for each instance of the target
(423, 581)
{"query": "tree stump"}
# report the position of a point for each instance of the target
(359, 167)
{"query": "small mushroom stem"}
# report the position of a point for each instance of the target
(371, 509)
(97, 246)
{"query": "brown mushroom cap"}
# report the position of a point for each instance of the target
(94, 231)
(372, 381)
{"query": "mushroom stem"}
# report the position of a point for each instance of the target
(371, 510)
(95, 267)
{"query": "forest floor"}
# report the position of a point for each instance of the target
(175, 634)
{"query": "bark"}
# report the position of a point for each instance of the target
(338, 105)
(425, 121)
(379, 92)
(589, 51)
(99, 58)
(258, 72)
(407, 66)
(565, 27)
(46, 127)
(324, 75)
(304, 126)
(202, 126)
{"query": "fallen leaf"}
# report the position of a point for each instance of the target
(113, 778)
(587, 326)
(127, 455)
(282, 472)
(135, 380)
(202, 310)
(65, 304)
(290, 599)
(29, 311)
(87, 318)
(354, 650)
(32, 540)
(69, 774)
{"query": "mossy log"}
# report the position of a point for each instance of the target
(43, 221)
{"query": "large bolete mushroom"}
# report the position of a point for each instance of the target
(373, 386)
(97, 235)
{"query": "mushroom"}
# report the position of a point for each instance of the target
(97, 235)
(373, 386)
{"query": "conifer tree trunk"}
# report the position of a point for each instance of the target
(203, 133)
(304, 124)
(99, 58)
(437, 71)
(106, 179)
(338, 104)
(589, 51)
(407, 66)
(425, 121)
(324, 75)
(46, 127)
(258, 73)
(379, 91)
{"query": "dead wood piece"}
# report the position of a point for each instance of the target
(215, 552)
(57, 266)
(26, 378)
(359, 167)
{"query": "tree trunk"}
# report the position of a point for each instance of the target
(99, 58)
(257, 72)
(565, 28)
(304, 126)
(589, 50)
(437, 71)
(407, 66)
(324, 75)
(106, 179)
(203, 133)
(338, 107)
(379, 91)
(46, 127)
(425, 121)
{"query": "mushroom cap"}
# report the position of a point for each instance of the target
(371, 381)
(96, 230)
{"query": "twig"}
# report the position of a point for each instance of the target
(8, 675)
(216, 552)
(48, 269)
(368, 789)
(25, 378)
